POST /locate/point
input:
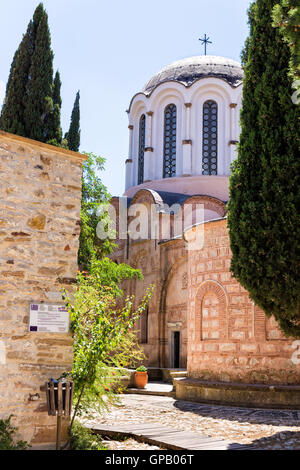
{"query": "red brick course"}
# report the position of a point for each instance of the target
(229, 338)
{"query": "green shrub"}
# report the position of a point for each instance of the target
(141, 369)
(7, 432)
(83, 439)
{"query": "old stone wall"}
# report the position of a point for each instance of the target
(40, 194)
(173, 301)
(223, 335)
(165, 268)
(230, 339)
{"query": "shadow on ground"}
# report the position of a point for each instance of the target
(242, 415)
(286, 440)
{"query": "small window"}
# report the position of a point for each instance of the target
(170, 125)
(210, 138)
(142, 134)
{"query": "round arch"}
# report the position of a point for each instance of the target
(211, 305)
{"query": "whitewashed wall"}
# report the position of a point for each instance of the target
(189, 127)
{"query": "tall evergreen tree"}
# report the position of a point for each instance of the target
(263, 221)
(39, 103)
(286, 16)
(32, 103)
(56, 90)
(54, 130)
(73, 136)
(12, 115)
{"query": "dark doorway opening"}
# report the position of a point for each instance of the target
(176, 349)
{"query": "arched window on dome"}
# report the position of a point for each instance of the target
(210, 138)
(170, 124)
(142, 134)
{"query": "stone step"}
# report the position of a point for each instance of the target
(257, 395)
(164, 374)
(177, 375)
(153, 388)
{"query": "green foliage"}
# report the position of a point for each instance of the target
(83, 439)
(141, 369)
(53, 120)
(32, 103)
(7, 432)
(94, 195)
(263, 214)
(12, 116)
(102, 330)
(56, 90)
(39, 103)
(73, 136)
(286, 17)
(245, 51)
(110, 381)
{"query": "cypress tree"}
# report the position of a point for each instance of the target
(56, 90)
(12, 115)
(263, 222)
(286, 16)
(53, 125)
(73, 136)
(29, 108)
(39, 103)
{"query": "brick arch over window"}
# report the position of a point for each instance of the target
(209, 202)
(211, 312)
(140, 260)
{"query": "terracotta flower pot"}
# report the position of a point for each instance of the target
(141, 379)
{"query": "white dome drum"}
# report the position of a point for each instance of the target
(184, 127)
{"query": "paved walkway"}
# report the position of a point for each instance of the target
(262, 429)
(167, 438)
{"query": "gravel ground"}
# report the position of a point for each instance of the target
(263, 429)
(129, 444)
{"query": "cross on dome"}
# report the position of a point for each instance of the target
(204, 42)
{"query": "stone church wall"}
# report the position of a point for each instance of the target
(164, 267)
(230, 339)
(223, 336)
(40, 196)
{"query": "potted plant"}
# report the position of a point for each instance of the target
(141, 377)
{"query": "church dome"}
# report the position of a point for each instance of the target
(191, 69)
(184, 127)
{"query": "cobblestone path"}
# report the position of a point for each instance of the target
(263, 429)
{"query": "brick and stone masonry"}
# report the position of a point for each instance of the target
(224, 337)
(40, 196)
(200, 317)
(231, 339)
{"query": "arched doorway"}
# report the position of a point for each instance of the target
(173, 319)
